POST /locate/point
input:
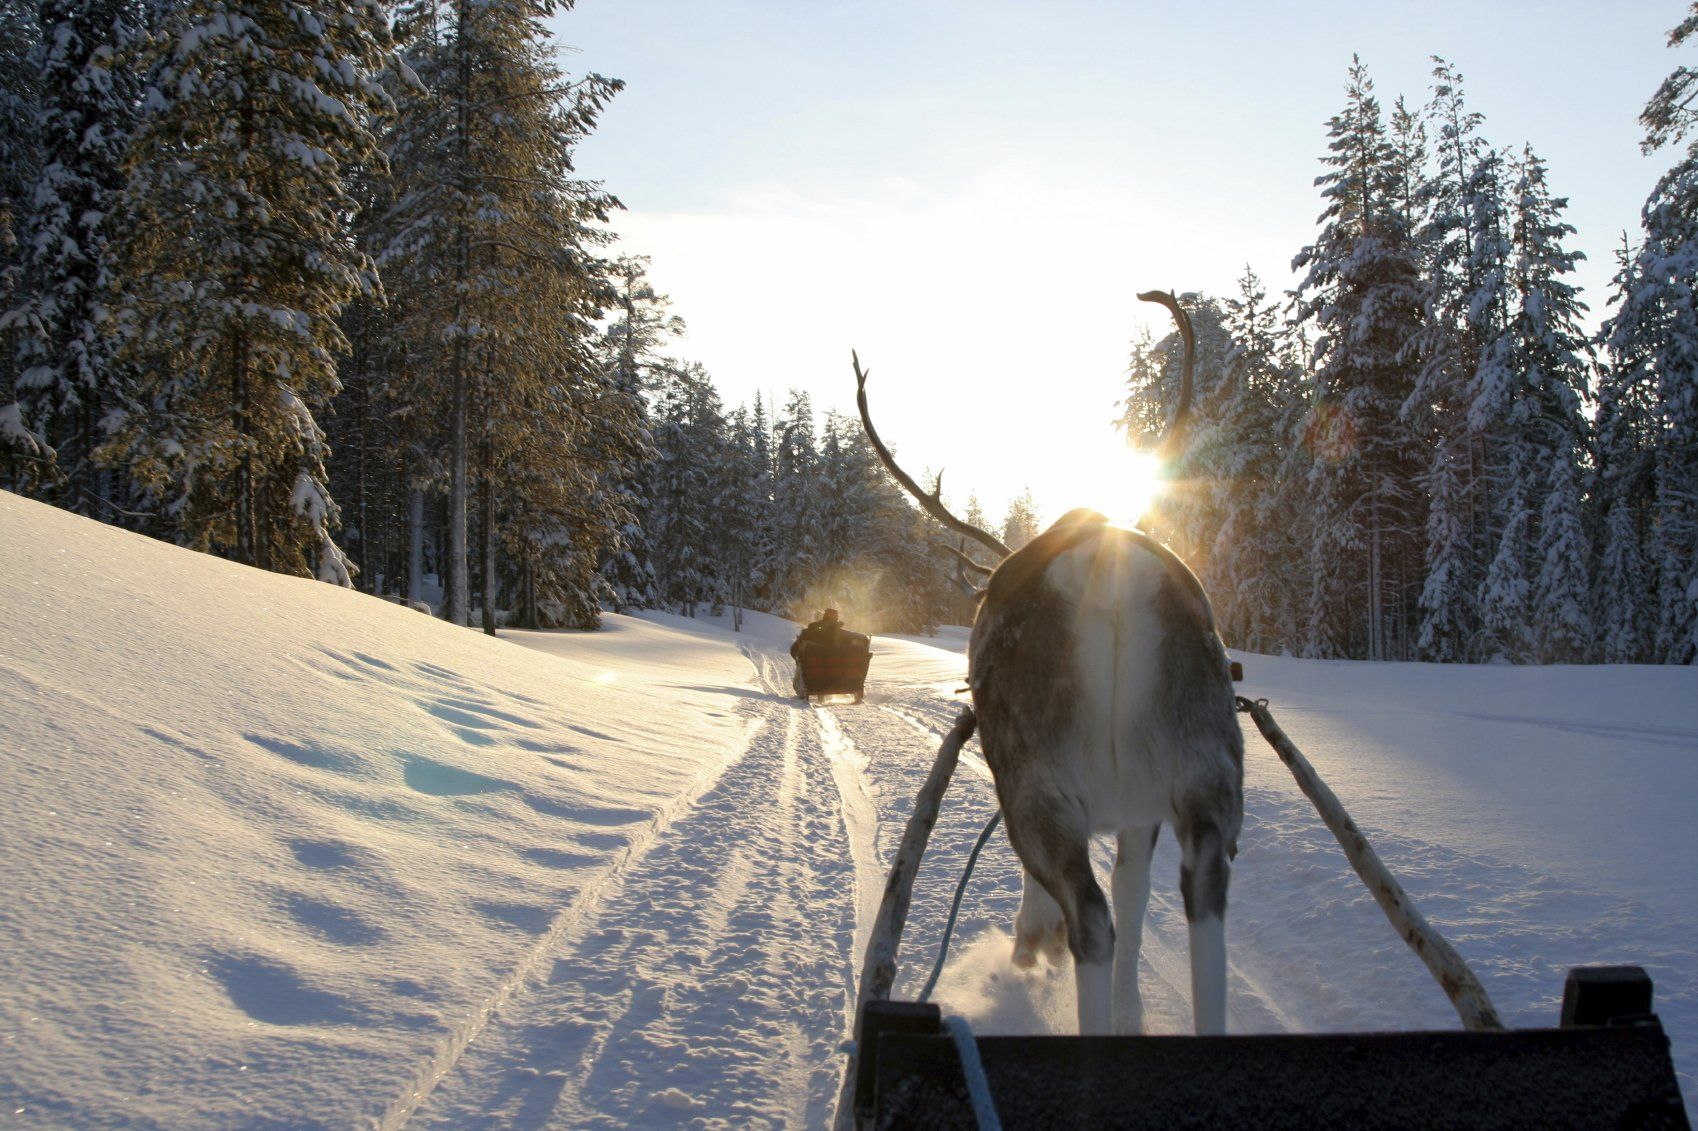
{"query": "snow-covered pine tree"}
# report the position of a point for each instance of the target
(631, 346)
(1552, 359)
(1021, 524)
(1653, 338)
(1255, 549)
(1362, 291)
(491, 252)
(68, 376)
(760, 502)
(237, 264)
(1624, 493)
(797, 554)
(740, 513)
(1465, 301)
(687, 492)
(1505, 592)
(845, 495)
(1562, 625)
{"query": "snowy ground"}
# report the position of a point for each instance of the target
(278, 855)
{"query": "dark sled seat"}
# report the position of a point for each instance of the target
(835, 669)
(1607, 1066)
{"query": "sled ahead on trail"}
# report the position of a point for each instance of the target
(833, 669)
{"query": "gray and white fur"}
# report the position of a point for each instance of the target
(1105, 704)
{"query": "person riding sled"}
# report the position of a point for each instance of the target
(825, 633)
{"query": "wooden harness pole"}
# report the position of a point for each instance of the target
(878, 968)
(1447, 967)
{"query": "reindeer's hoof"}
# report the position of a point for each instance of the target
(1046, 942)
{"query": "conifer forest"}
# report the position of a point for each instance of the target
(319, 288)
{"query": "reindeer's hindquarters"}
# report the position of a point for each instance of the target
(1105, 704)
(1155, 737)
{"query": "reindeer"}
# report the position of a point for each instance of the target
(1105, 704)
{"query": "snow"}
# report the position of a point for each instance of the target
(281, 854)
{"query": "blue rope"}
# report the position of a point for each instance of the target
(973, 1071)
(955, 907)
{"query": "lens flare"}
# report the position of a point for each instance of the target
(1119, 482)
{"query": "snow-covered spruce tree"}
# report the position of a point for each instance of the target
(491, 254)
(1505, 592)
(1463, 238)
(68, 376)
(1562, 622)
(796, 555)
(1254, 555)
(558, 522)
(373, 431)
(1624, 494)
(27, 461)
(1021, 524)
(1653, 338)
(686, 492)
(845, 499)
(630, 347)
(1362, 292)
(763, 536)
(237, 264)
(1552, 361)
(740, 507)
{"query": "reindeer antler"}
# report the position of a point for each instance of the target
(1169, 446)
(932, 501)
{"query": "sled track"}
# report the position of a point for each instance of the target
(711, 977)
(860, 815)
(568, 921)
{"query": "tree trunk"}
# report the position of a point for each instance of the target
(459, 604)
(246, 521)
(415, 544)
(486, 502)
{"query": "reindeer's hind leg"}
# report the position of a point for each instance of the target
(1039, 929)
(1131, 898)
(1053, 845)
(1203, 875)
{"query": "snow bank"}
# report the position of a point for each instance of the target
(270, 848)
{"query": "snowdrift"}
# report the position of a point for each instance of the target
(267, 844)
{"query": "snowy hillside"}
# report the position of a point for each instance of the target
(276, 854)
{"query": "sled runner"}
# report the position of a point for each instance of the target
(833, 669)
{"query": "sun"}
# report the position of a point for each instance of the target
(1116, 480)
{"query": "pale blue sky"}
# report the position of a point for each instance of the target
(972, 193)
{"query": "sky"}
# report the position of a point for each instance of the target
(971, 194)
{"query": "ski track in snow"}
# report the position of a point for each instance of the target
(713, 982)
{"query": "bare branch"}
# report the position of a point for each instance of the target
(931, 502)
(1170, 443)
